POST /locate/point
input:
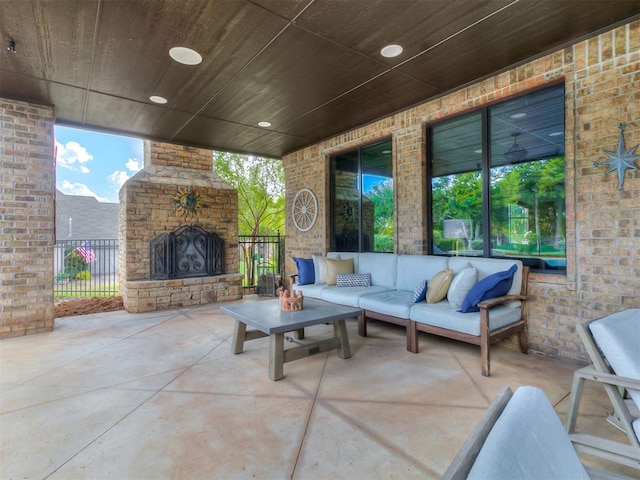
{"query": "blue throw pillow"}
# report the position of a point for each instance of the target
(420, 292)
(492, 286)
(306, 273)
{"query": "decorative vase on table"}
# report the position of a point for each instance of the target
(290, 301)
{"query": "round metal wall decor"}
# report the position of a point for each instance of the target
(187, 202)
(304, 210)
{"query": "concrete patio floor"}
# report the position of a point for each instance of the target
(160, 395)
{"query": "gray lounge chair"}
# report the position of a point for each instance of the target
(613, 346)
(520, 437)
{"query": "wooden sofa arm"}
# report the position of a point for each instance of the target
(492, 302)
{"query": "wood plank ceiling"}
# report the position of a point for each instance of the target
(312, 68)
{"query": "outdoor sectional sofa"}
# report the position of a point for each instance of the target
(395, 279)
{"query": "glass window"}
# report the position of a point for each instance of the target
(362, 200)
(497, 181)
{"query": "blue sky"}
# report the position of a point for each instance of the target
(95, 164)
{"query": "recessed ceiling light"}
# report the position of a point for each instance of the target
(519, 115)
(477, 151)
(185, 56)
(391, 51)
(157, 99)
(556, 134)
(264, 124)
(386, 152)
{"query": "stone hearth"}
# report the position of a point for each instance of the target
(147, 211)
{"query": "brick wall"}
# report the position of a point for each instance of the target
(26, 218)
(602, 83)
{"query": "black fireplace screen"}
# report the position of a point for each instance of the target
(190, 251)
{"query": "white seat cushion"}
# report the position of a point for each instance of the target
(313, 291)
(349, 296)
(442, 314)
(396, 303)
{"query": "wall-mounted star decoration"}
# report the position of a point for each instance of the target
(621, 159)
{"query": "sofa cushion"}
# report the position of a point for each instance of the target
(412, 269)
(320, 269)
(617, 336)
(443, 315)
(335, 266)
(312, 291)
(439, 286)
(420, 292)
(353, 279)
(306, 274)
(460, 285)
(349, 296)
(396, 303)
(527, 441)
(382, 267)
(494, 285)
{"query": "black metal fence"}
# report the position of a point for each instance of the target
(261, 260)
(85, 268)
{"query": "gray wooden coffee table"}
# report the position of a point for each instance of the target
(268, 320)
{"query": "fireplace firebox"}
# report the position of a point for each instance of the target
(189, 251)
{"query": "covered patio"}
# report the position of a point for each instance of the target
(160, 395)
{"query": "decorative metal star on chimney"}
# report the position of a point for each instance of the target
(621, 159)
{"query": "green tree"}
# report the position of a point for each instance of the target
(381, 195)
(261, 197)
(538, 187)
(260, 186)
(458, 197)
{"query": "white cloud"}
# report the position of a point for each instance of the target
(70, 154)
(134, 165)
(78, 189)
(119, 177)
(84, 169)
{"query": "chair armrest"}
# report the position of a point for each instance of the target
(590, 373)
(492, 302)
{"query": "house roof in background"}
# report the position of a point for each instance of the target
(81, 217)
(312, 68)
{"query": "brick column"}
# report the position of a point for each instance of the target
(27, 181)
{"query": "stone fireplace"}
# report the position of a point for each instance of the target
(148, 213)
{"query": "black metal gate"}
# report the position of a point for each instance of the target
(261, 260)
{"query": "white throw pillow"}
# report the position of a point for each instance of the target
(320, 269)
(462, 282)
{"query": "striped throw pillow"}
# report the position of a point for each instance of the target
(353, 279)
(420, 293)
